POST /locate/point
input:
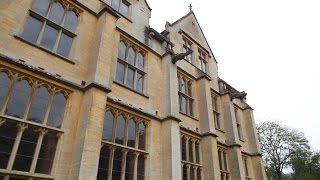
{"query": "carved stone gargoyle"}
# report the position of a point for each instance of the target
(179, 56)
(238, 95)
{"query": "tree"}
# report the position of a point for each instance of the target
(305, 165)
(278, 144)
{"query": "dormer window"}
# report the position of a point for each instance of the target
(187, 46)
(202, 63)
(121, 6)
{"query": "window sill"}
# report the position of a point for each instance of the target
(195, 66)
(189, 116)
(25, 174)
(44, 49)
(122, 85)
(221, 130)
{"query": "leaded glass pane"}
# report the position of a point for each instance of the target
(18, 99)
(121, 124)
(124, 9)
(140, 61)
(131, 133)
(49, 37)
(122, 50)
(129, 166)
(183, 149)
(139, 86)
(131, 56)
(47, 153)
(190, 151)
(70, 21)
(31, 29)
(4, 86)
(120, 73)
(8, 132)
(56, 13)
(26, 150)
(117, 164)
(39, 105)
(130, 77)
(107, 126)
(142, 136)
(64, 45)
(140, 171)
(57, 110)
(103, 163)
(115, 4)
(41, 6)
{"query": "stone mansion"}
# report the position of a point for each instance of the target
(89, 91)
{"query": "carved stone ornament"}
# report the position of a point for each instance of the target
(180, 56)
(238, 95)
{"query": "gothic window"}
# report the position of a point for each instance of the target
(126, 151)
(39, 105)
(19, 98)
(202, 63)
(4, 86)
(190, 157)
(121, 6)
(130, 66)
(239, 128)
(216, 114)
(51, 25)
(223, 163)
(187, 46)
(121, 123)
(26, 124)
(185, 95)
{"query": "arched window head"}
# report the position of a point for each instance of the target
(18, 99)
(131, 133)
(39, 105)
(140, 61)
(56, 13)
(142, 136)
(183, 86)
(107, 126)
(122, 50)
(131, 56)
(41, 6)
(4, 86)
(121, 124)
(70, 21)
(57, 110)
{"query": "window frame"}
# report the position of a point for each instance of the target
(46, 22)
(223, 160)
(187, 95)
(216, 112)
(239, 124)
(202, 62)
(137, 71)
(125, 147)
(23, 123)
(187, 45)
(121, 3)
(192, 165)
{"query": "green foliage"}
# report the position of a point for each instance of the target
(278, 145)
(305, 165)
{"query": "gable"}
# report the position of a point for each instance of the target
(188, 26)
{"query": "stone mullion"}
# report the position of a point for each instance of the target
(125, 143)
(196, 173)
(42, 133)
(42, 30)
(29, 101)
(115, 119)
(136, 145)
(6, 177)
(2, 121)
(135, 168)
(21, 128)
(9, 93)
(188, 171)
(46, 116)
(110, 166)
(194, 151)
(145, 159)
(123, 164)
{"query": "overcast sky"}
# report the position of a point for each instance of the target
(270, 49)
